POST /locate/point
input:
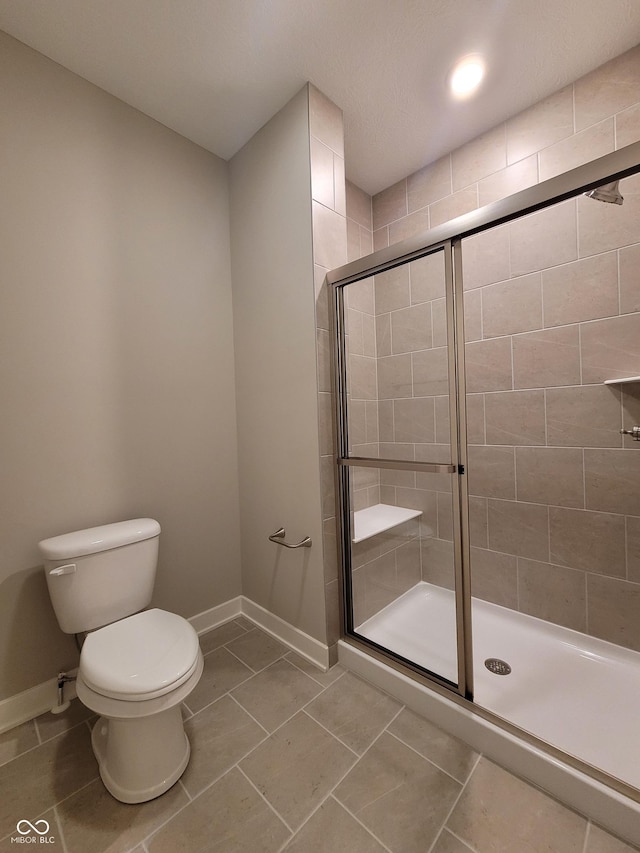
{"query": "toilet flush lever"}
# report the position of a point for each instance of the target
(634, 432)
(63, 570)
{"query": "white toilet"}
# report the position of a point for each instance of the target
(135, 670)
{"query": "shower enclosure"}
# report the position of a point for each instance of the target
(487, 386)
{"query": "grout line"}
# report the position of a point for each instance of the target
(455, 803)
(333, 735)
(182, 785)
(364, 826)
(262, 797)
(465, 844)
(426, 757)
(587, 833)
(240, 705)
(60, 830)
(38, 735)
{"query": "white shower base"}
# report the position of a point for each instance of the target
(578, 693)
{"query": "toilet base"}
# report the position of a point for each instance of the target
(140, 759)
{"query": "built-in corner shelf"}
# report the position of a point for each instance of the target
(622, 381)
(376, 519)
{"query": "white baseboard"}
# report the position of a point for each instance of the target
(218, 615)
(31, 703)
(24, 706)
(304, 645)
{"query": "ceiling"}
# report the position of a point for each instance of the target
(217, 70)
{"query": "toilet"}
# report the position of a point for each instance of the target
(136, 665)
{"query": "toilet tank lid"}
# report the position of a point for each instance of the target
(95, 539)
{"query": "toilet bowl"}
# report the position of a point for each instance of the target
(136, 665)
(135, 673)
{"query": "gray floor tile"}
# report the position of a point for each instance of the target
(257, 649)
(228, 816)
(498, 812)
(92, 820)
(448, 843)
(35, 781)
(245, 623)
(402, 798)
(325, 678)
(219, 636)
(276, 693)
(449, 753)
(331, 828)
(354, 711)
(601, 842)
(17, 841)
(220, 735)
(222, 672)
(49, 725)
(297, 767)
(17, 740)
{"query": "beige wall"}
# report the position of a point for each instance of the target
(275, 356)
(552, 307)
(116, 350)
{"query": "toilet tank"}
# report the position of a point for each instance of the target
(102, 574)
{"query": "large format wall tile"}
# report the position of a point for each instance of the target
(390, 204)
(430, 372)
(544, 239)
(494, 577)
(547, 358)
(592, 541)
(550, 475)
(492, 472)
(580, 148)
(427, 278)
(411, 329)
(519, 528)
(485, 258)
(610, 348)
(583, 416)
(613, 607)
(512, 306)
(392, 289)
(611, 480)
(630, 279)
(582, 290)
(552, 593)
(508, 181)
(607, 90)
(515, 417)
(483, 156)
(429, 184)
(610, 226)
(488, 365)
(541, 125)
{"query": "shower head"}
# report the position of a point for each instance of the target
(607, 192)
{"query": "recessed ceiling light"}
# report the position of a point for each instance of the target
(466, 76)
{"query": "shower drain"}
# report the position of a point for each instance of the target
(497, 666)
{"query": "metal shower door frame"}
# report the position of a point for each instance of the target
(456, 468)
(448, 238)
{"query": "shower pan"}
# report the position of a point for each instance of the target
(487, 383)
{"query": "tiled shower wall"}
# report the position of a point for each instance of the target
(329, 251)
(552, 308)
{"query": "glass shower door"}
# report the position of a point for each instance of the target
(400, 466)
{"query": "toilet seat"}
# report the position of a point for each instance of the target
(141, 657)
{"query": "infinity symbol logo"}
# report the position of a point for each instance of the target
(32, 827)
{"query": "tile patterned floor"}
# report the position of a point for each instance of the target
(286, 758)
